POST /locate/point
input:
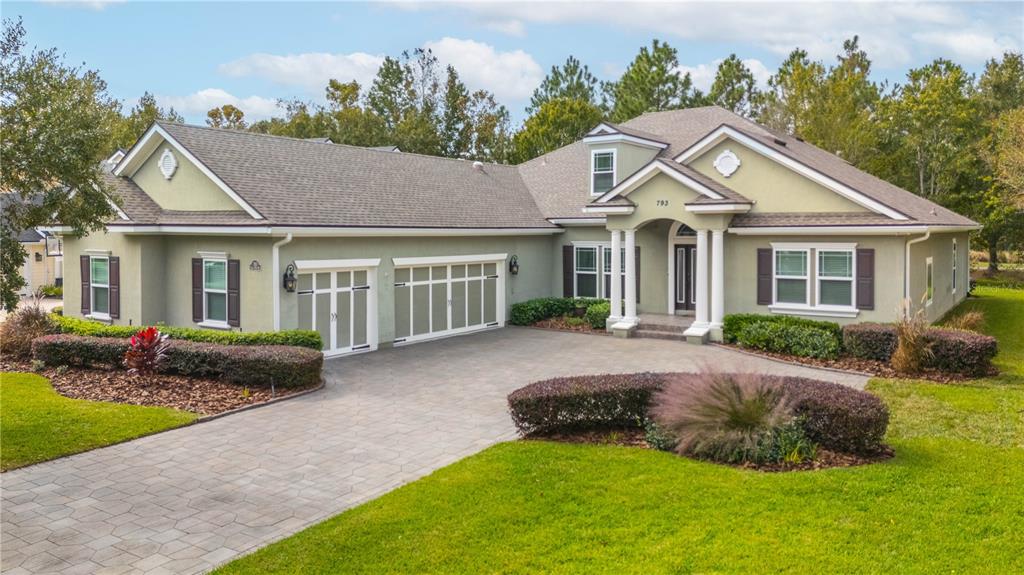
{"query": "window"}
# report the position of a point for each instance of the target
(954, 265)
(791, 277)
(215, 291)
(586, 271)
(593, 263)
(606, 270)
(99, 272)
(930, 284)
(835, 278)
(602, 171)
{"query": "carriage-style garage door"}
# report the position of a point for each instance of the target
(341, 304)
(442, 296)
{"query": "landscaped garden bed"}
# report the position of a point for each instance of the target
(584, 315)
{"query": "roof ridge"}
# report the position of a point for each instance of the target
(315, 143)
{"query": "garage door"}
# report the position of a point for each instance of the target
(340, 304)
(438, 297)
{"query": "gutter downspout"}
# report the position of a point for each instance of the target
(906, 264)
(276, 278)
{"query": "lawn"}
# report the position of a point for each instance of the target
(38, 424)
(950, 501)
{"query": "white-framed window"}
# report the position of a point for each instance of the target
(835, 278)
(99, 286)
(215, 291)
(606, 270)
(929, 289)
(791, 277)
(954, 265)
(602, 171)
(593, 269)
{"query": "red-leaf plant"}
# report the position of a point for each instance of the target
(147, 351)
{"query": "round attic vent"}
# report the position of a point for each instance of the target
(168, 163)
(727, 163)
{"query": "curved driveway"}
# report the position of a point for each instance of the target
(189, 499)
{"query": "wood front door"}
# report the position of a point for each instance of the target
(686, 273)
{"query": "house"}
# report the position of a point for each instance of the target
(44, 260)
(698, 212)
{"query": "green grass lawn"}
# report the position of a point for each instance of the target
(37, 424)
(949, 502)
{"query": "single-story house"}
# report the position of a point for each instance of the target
(698, 212)
(44, 260)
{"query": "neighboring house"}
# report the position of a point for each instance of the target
(44, 262)
(705, 212)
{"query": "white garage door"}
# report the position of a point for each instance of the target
(341, 305)
(438, 297)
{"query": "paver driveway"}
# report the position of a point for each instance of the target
(189, 499)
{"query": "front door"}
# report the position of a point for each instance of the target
(686, 272)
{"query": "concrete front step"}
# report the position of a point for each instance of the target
(665, 327)
(648, 332)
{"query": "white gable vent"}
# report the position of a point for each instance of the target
(168, 163)
(727, 163)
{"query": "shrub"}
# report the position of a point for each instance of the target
(297, 337)
(52, 291)
(282, 366)
(21, 327)
(147, 351)
(658, 438)
(531, 311)
(733, 324)
(799, 340)
(582, 402)
(912, 349)
(597, 314)
(967, 321)
(874, 341)
(58, 310)
(837, 417)
(962, 352)
(731, 418)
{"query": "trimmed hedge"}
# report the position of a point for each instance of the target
(799, 340)
(597, 314)
(953, 351)
(734, 323)
(263, 365)
(296, 337)
(531, 311)
(837, 417)
(583, 402)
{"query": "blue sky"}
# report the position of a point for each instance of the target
(198, 55)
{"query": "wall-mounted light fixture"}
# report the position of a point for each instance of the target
(255, 266)
(513, 265)
(289, 278)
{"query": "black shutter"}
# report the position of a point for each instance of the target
(637, 274)
(86, 284)
(568, 268)
(197, 290)
(234, 302)
(764, 276)
(115, 286)
(866, 279)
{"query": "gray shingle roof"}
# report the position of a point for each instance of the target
(788, 219)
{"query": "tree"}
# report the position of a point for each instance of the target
(571, 81)
(55, 127)
(456, 123)
(491, 131)
(1001, 86)
(556, 123)
(406, 96)
(792, 94)
(352, 123)
(226, 116)
(734, 87)
(651, 83)
(130, 128)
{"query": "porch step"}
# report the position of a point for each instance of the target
(663, 327)
(656, 332)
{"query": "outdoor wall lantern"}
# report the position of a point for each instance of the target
(255, 266)
(513, 265)
(289, 278)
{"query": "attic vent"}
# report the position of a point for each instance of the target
(168, 163)
(780, 141)
(727, 163)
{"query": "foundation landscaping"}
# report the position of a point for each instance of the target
(69, 385)
(655, 473)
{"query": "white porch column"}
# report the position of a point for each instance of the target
(616, 277)
(701, 317)
(717, 278)
(630, 316)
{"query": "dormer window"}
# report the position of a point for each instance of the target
(602, 177)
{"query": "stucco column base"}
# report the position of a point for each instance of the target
(623, 328)
(697, 333)
(716, 334)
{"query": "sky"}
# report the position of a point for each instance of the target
(198, 55)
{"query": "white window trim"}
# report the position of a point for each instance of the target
(806, 277)
(929, 277)
(601, 247)
(954, 266)
(92, 291)
(615, 167)
(809, 308)
(598, 277)
(852, 279)
(215, 323)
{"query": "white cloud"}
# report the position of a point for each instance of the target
(509, 27)
(970, 46)
(310, 70)
(90, 4)
(198, 103)
(509, 75)
(703, 75)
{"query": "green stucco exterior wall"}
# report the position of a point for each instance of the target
(188, 188)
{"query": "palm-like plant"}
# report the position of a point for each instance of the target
(147, 351)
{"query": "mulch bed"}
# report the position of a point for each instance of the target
(559, 323)
(198, 395)
(863, 366)
(633, 437)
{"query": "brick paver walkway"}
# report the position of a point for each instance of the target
(193, 498)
